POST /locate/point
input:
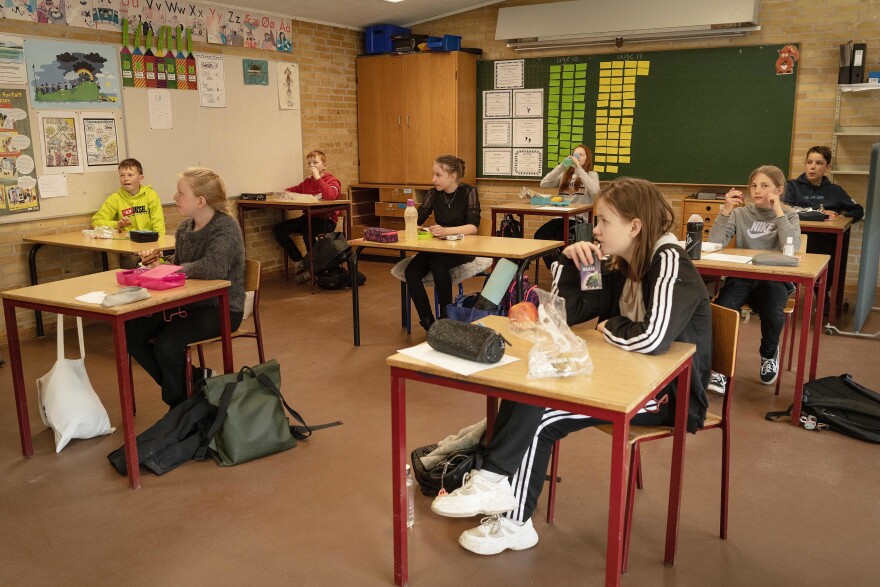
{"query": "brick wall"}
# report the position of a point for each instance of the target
(329, 122)
(817, 26)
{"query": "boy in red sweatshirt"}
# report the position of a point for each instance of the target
(320, 184)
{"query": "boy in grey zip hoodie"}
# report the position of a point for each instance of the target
(764, 225)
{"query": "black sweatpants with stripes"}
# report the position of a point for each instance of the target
(523, 440)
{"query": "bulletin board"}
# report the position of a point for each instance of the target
(251, 143)
(697, 116)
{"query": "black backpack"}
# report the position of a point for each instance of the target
(329, 251)
(337, 278)
(510, 227)
(842, 404)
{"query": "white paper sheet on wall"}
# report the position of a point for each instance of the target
(160, 109)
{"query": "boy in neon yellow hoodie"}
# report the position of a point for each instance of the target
(132, 207)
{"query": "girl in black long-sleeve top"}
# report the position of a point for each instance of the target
(456, 209)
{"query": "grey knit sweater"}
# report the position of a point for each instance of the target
(214, 252)
(757, 228)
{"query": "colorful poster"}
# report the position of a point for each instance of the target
(256, 72)
(58, 135)
(52, 12)
(72, 75)
(225, 26)
(101, 142)
(105, 14)
(79, 13)
(20, 9)
(18, 178)
(12, 68)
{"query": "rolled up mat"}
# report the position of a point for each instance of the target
(467, 341)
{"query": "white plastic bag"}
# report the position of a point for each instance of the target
(68, 403)
(557, 352)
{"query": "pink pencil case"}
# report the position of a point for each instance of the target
(380, 235)
(162, 277)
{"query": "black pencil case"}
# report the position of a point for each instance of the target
(467, 341)
(144, 236)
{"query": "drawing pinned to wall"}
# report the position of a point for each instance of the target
(71, 75)
(52, 12)
(152, 14)
(58, 135)
(497, 161)
(20, 10)
(256, 72)
(79, 13)
(12, 68)
(18, 180)
(212, 89)
(287, 75)
(101, 142)
(106, 15)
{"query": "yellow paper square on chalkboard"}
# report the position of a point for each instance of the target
(616, 84)
(630, 64)
(615, 103)
(626, 128)
(602, 104)
(629, 103)
(643, 71)
(614, 112)
(630, 79)
(599, 158)
(600, 142)
(616, 95)
(627, 111)
(617, 64)
(629, 87)
(599, 168)
(623, 160)
(611, 151)
(601, 120)
(611, 168)
(628, 121)
(614, 135)
(601, 128)
(601, 113)
(629, 95)
(644, 63)
(600, 135)
(605, 65)
(625, 142)
(624, 150)
(612, 159)
(605, 73)
(611, 143)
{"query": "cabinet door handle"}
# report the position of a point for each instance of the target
(407, 119)
(398, 120)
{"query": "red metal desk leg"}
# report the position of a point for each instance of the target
(802, 353)
(21, 408)
(131, 456)
(614, 553)
(817, 328)
(837, 278)
(398, 460)
(225, 332)
(676, 477)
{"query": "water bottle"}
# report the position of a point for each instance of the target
(569, 161)
(410, 497)
(788, 250)
(411, 218)
(693, 241)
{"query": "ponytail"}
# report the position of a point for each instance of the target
(451, 164)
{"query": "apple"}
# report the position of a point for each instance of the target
(523, 314)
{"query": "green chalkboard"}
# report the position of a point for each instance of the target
(698, 116)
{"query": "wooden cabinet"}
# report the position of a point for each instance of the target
(412, 108)
(707, 209)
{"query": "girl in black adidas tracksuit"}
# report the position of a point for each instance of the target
(651, 296)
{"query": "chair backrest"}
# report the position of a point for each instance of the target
(725, 332)
(803, 247)
(252, 271)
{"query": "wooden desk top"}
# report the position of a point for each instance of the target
(840, 223)
(810, 267)
(120, 244)
(619, 382)
(477, 245)
(282, 203)
(526, 208)
(62, 294)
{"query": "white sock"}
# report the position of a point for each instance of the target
(492, 477)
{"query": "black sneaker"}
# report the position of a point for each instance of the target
(770, 368)
(717, 383)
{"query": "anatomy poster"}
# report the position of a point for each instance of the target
(288, 85)
(62, 74)
(18, 179)
(58, 132)
(101, 142)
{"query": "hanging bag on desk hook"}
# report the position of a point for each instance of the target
(68, 402)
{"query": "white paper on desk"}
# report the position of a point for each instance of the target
(708, 247)
(728, 258)
(424, 352)
(93, 297)
(554, 208)
(52, 186)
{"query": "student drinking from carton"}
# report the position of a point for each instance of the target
(209, 246)
(651, 295)
(456, 210)
(813, 190)
(133, 207)
(765, 225)
(573, 178)
(323, 185)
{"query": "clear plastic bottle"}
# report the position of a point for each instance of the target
(410, 497)
(411, 219)
(789, 247)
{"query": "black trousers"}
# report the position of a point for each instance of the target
(439, 265)
(285, 228)
(824, 244)
(552, 230)
(767, 298)
(159, 346)
(523, 441)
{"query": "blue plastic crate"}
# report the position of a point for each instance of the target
(378, 37)
(445, 43)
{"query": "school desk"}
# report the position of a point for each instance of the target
(620, 385)
(59, 297)
(521, 251)
(77, 240)
(310, 209)
(522, 209)
(812, 272)
(840, 228)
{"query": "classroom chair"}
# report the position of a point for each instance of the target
(459, 274)
(725, 331)
(251, 309)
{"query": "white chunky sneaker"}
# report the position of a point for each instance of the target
(717, 383)
(496, 534)
(477, 495)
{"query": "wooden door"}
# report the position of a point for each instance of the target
(431, 112)
(381, 130)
